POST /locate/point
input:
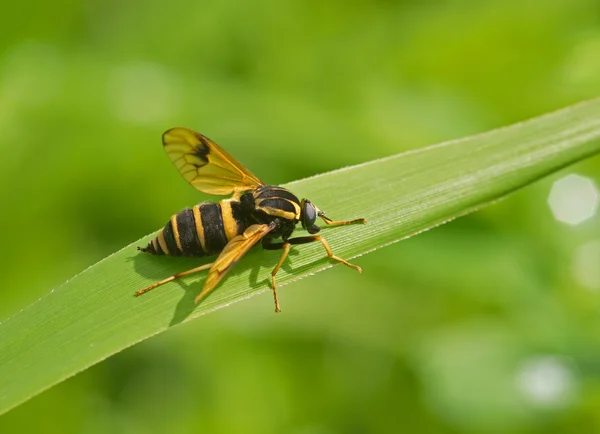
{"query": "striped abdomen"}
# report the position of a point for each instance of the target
(202, 230)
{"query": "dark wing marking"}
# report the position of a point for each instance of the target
(205, 165)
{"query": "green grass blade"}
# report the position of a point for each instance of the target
(95, 315)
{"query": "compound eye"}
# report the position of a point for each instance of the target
(309, 215)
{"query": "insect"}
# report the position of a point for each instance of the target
(255, 212)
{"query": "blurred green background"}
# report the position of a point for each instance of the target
(488, 324)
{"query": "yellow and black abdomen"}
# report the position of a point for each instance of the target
(202, 230)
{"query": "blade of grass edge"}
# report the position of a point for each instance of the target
(94, 315)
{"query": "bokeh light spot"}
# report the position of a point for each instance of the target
(573, 199)
(546, 381)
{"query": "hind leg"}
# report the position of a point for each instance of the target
(173, 277)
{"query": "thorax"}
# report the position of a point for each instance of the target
(271, 203)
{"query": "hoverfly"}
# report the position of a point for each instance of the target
(255, 212)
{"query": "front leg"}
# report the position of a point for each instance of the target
(336, 223)
(269, 245)
(305, 240)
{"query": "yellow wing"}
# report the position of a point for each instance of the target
(231, 254)
(205, 165)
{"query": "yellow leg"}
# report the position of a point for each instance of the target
(348, 222)
(306, 240)
(171, 278)
(336, 258)
(286, 250)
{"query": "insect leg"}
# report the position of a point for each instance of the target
(173, 277)
(334, 223)
(304, 240)
(286, 249)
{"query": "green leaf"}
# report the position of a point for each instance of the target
(95, 315)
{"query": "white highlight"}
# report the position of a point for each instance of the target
(546, 381)
(573, 199)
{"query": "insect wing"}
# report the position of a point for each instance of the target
(231, 254)
(205, 165)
